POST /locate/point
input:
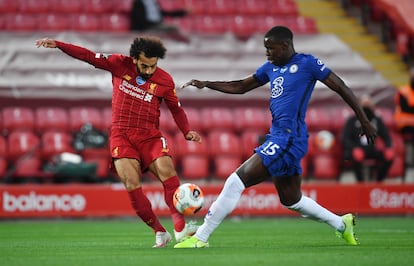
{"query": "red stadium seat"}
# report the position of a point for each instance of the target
(223, 7)
(98, 6)
(167, 123)
(254, 118)
(81, 115)
(318, 118)
(210, 24)
(197, 7)
(54, 22)
(283, 8)
(325, 166)
(22, 143)
(217, 118)
(115, 22)
(7, 6)
(107, 118)
(398, 166)
(250, 139)
(69, 7)
(3, 156)
(340, 115)
(224, 165)
(34, 6)
(18, 118)
(194, 166)
(21, 22)
(23, 154)
(225, 151)
(302, 25)
(184, 147)
(242, 26)
(51, 118)
(168, 5)
(55, 143)
(86, 22)
(253, 7)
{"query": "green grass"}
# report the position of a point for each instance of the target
(267, 241)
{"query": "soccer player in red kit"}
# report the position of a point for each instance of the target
(137, 145)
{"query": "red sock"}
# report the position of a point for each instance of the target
(170, 185)
(143, 209)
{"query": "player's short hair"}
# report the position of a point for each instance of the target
(280, 33)
(151, 46)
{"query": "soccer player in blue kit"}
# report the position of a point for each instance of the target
(292, 77)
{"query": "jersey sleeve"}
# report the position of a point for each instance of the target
(176, 110)
(318, 68)
(261, 75)
(99, 60)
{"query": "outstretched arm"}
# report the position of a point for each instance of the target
(232, 87)
(336, 84)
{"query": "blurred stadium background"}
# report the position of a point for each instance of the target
(46, 96)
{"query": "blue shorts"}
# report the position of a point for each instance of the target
(281, 154)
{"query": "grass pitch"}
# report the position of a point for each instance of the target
(258, 241)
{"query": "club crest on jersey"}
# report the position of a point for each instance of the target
(152, 88)
(293, 68)
(140, 80)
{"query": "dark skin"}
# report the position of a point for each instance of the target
(252, 171)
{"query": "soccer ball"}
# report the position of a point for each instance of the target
(188, 199)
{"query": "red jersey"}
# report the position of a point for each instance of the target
(135, 101)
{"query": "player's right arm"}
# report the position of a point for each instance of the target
(232, 87)
(95, 59)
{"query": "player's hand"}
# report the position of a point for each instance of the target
(193, 136)
(369, 131)
(46, 42)
(196, 83)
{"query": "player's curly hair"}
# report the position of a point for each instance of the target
(149, 45)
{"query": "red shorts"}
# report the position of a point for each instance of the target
(145, 145)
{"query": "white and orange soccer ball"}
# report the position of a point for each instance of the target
(188, 199)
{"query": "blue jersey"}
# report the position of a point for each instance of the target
(291, 87)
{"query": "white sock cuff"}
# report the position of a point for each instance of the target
(297, 205)
(234, 181)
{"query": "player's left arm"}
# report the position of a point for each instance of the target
(180, 116)
(335, 83)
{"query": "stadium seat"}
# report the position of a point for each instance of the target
(68, 7)
(210, 24)
(167, 122)
(168, 5)
(51, 118)
(194, 119)
(339, 116)
(34, 6)
(220, 118)
(302, 25)
(21, 22)
(107, 118)
(115, 22)
(18, 118)
(223, 7)
(241, 26)
(325, 166)
(398, 167)
(55, 143)
(250, 139)
(80, 115)
(194, 166)
(251, 118)
(225, 151)
(98, 6)
(197, 7)
(86, 22)
(54, 22)
(285, 8)
(7, 6)
(318, 118)
(253, 7)
(3, 156)
(23, 154)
